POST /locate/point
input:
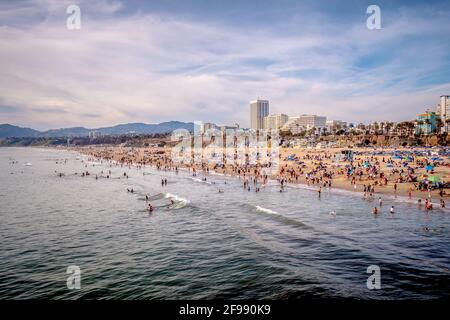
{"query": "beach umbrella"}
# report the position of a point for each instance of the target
(429, 167)
(434, 179)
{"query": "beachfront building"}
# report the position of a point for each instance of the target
(275, 121)
(426, 123)
(224, 128)
(305, 122)
(443, 110)
(335, 125)
(207, 126)
(258, 110)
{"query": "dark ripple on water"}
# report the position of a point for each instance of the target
(235, 244)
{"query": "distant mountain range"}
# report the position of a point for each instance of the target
(11, 131)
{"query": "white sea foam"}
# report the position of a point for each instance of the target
(176, 198)
(265, 210)
(201, 181)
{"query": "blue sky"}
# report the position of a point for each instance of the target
(153, 61)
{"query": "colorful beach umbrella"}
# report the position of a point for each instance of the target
(434, 179)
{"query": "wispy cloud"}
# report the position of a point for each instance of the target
(131, 63)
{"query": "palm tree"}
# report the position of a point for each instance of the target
(428, 127)
(420, 124)
(376, 127)
(447, 121)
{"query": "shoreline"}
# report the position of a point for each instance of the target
(338, 185)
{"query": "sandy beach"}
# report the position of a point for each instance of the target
(375, 170)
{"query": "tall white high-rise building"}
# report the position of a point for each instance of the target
(305, 122)
(275, 121)
(258, 110)
(443, 110)
(444, 106)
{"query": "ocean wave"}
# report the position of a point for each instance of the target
(282, 218)
(258, 208)
(181, 202)
(201, 181)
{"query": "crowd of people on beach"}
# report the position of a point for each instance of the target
(365, 173)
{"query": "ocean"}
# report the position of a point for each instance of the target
(207, 245)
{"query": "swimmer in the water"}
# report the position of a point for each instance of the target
(392, 209)
(146, 197)
(150, 207)
(375, 210)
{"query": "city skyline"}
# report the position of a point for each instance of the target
(165, 60)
